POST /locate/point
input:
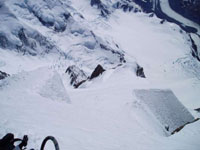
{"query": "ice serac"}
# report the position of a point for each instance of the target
(166, 108)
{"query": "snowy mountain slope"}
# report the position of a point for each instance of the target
(37, 99)
(106, 118)
(49, 85)
(81, 41)
(166, 7)
(16, 36)
(174, 11)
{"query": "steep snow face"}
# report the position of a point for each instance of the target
(54, 89)
(49, 85)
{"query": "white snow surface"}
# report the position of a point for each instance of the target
(103, 114)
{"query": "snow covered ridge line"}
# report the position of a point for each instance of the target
(78, 76)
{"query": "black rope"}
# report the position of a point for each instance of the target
(53, 140)
(16, 140)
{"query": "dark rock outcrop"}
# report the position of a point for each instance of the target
(197, 109)
(181, 127)
(162, 21)
(3, 41)
(77, 76)
(140, 72)
(98, 71)
(3, 75)
(79, 83)
(95, 2)
(126, 6)
(102, 7)
(23, 37)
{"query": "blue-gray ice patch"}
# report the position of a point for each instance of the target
(165, 106)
